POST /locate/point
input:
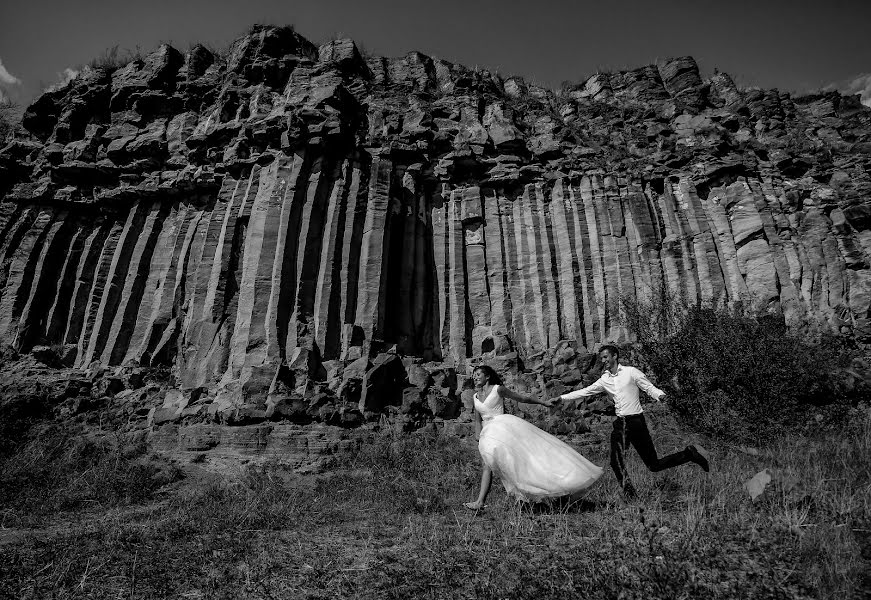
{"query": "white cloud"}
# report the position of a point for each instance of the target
(63, 79)
(861, 84)
(7, 77)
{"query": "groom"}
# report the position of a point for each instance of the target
(622, 384)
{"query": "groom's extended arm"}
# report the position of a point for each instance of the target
(645, 386)
(590, 390)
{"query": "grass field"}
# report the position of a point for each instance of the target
(101, 519)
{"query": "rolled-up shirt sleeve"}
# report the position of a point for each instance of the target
(645, 386)
(590, 390)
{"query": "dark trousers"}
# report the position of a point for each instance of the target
(633, 430)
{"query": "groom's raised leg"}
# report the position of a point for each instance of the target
(699, 456)
(639, 435)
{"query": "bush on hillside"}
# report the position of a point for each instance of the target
(734, 375)
(10, 119)
(112, 59)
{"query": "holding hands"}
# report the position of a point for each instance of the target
(550, 402)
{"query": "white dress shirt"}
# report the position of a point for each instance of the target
(622, 387)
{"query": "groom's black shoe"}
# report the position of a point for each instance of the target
(699, 456)
(629, 492)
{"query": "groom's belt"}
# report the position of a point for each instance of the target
(640, 414)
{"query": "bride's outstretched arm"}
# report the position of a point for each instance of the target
(529, 399)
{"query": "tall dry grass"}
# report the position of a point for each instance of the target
(388, 523)
(57, 471)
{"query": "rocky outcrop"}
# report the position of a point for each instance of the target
(262, 220)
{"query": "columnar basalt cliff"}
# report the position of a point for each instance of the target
(286, 221)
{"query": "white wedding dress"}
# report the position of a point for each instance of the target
(532, 464)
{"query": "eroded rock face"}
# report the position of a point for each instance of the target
(259, 221)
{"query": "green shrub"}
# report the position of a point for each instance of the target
(734, 375)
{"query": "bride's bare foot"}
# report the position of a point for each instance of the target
(474, 505)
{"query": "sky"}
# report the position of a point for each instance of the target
(794, 45)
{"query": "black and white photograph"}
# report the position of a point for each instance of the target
(435, 300)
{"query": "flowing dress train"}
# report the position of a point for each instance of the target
(532, 464)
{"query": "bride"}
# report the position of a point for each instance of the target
(532, 464)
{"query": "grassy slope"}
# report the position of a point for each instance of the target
(388, 524)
